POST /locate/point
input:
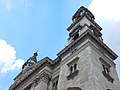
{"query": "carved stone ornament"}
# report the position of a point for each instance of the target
(43, 76)
(108, 77)
(72, 75)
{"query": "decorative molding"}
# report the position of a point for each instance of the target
(72, 75)
(108, 77)
(43, 76)
(73, 51)
(105, 72)
(104, 62)
(27, 73)
(80, 17)
(23, 76)
(87, 34)
(74, 88)
(73, 61)
(76, 30)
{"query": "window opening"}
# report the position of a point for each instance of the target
(75, 67)
(106, 70)
(103, 67)
(76, 36)
(71, 69)
(55, 83)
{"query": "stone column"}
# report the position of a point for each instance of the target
(33, 85)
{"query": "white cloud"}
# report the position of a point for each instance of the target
(8, 61)
(106, 9)
(107, 14)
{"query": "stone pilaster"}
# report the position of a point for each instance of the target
(41, 81)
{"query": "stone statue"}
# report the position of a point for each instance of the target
(32, 60)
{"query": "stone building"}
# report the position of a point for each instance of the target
(86, 63)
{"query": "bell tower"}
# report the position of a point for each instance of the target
(87, 62)
(82, 21)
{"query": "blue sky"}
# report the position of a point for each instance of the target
(30, 25)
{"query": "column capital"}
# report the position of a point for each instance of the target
(42, 76)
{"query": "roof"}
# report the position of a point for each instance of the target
(43, 62)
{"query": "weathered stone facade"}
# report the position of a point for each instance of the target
(86, 63)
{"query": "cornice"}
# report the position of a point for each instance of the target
(80, 10)
(72, 45)
(93, 22)
(84, 15)
(104, 47)
(87, 34)
(24, 75)
(43, 76)
(74, 23)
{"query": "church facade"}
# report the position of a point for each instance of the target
(86, 63)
